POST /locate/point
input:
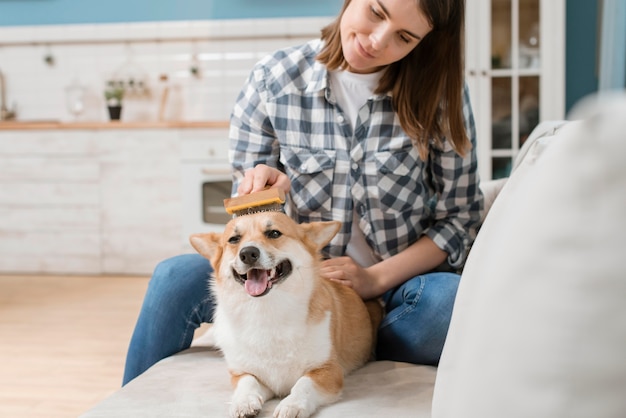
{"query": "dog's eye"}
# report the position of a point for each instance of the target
(234, 239)
(273, 234)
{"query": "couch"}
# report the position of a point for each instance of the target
(539, 324)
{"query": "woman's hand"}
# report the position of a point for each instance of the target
(262, 176)
(345, 271)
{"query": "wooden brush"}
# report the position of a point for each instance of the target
(265, 200)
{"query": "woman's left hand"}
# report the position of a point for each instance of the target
(345, 271)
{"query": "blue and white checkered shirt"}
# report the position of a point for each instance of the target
(286, 117)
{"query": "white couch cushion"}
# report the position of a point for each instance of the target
(196, 383)
(539, 325)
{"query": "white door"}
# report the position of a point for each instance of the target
(516, 74)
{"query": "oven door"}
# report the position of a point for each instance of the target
(204, 188)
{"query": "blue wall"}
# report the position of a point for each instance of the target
(581, 49)
(43, 12)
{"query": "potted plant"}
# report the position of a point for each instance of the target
(114, 93)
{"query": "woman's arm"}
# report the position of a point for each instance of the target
(371, 282)
(459, 206)
(252, 137)
(421, 257)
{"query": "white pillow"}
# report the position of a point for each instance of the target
(539, 325)
(491, 188)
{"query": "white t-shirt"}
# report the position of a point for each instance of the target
(352, 90)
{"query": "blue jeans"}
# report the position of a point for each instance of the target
(417, 319)
(178, 301)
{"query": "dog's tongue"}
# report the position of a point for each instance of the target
(256, 282)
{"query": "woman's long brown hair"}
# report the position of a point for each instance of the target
(427, 84)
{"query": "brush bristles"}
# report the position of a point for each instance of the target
(274, 207)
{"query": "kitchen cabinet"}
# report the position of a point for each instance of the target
(515, 69)
(49, 202)
(140, 198)
(95, 201)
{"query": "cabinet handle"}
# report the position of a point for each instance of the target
(472, 73)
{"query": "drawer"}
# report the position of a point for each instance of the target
(59, 194)
(48, 143)
(63, 219)
(49, 169)
(205, 144)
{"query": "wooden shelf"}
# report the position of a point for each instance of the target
(95, 125)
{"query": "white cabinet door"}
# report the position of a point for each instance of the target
(515, 71)
(49, 202)
(141, 202)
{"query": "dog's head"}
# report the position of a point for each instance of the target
(262, 250)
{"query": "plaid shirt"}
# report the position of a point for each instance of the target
(286, 117)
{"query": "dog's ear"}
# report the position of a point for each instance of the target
(321, 232)
(207, 244)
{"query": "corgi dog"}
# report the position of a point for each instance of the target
(284, 331)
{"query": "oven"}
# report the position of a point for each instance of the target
(206, 182)
(204, 189)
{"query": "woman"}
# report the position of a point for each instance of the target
(370, 125)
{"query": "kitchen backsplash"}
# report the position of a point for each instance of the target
(188, 70)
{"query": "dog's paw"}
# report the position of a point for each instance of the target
(249, 396)
(291, 407)
(247, 406)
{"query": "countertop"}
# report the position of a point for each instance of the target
(52, 124)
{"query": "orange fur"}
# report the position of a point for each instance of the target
(329, 377)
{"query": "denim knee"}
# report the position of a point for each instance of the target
(183, 267)
(184, 276)
(418, 317)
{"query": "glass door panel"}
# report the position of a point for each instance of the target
(501, 167)
(501, 132)
(500, 34)
(529, 34)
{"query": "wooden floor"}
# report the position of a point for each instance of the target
(63, 341)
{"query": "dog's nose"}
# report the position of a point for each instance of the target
(249, 255)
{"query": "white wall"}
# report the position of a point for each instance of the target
(89, 54)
